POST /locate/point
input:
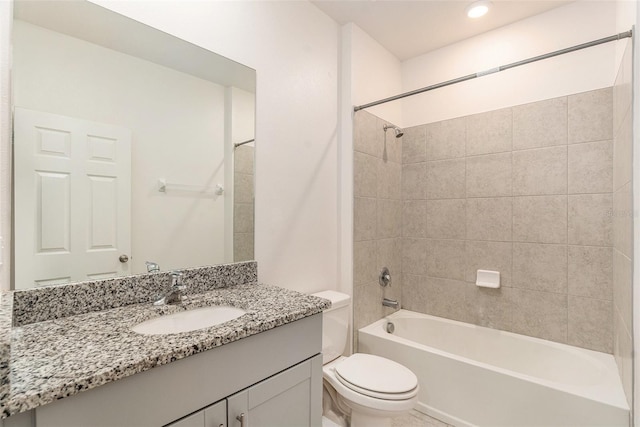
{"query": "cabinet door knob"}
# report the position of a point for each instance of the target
(241, 419)
(123, 258)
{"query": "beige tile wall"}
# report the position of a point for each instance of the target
(527, 191)
(378, 214)
(243, 206)
(524, 190)
(622, 222)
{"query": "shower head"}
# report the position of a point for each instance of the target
(396, 129)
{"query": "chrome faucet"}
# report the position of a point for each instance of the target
(175, 293)
(393, 303)
(152, 266)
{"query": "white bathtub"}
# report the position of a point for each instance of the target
(475, 376)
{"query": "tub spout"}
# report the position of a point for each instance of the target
(390, 303)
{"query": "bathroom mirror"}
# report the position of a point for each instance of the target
(130, 146)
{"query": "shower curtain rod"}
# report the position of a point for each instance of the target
(620, 36)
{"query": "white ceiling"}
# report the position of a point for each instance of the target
(408, 28)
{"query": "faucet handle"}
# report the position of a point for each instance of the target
(176, 280)
(385, 277)
(152, 266)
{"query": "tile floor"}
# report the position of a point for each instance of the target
(418, 419)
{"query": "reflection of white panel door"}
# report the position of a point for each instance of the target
(72, 198)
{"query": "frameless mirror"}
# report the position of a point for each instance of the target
(130, 146)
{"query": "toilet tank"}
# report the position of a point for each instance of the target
(335, 325)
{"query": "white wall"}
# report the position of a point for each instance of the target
(375, 74)
(177, 123)
(6, 18)
(629, 14)
(243, 114)
(575, 23)
(625, 20)
(368, 72)
(294, 49)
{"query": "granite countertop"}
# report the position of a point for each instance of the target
(53, 359)
(6, 305)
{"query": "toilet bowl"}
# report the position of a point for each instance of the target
(365, 390)
(371, 389)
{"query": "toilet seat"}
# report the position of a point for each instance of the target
(377, 377)
(377, 395)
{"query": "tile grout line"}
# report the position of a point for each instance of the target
(511, 275)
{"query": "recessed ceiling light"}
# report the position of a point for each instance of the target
(478, 9)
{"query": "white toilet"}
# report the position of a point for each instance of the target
(362, 389)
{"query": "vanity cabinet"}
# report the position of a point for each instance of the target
(282, 400)
(213, 416)
(197, 419)
(274, 378)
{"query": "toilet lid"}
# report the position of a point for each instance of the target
(376, 374)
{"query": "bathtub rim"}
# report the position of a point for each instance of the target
(610, 392)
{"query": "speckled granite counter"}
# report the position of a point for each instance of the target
(6, 304)
(56, 358)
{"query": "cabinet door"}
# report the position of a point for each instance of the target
(287, 399)
(193, 420)
(216, 415)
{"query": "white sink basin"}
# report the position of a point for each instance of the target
(190, 320)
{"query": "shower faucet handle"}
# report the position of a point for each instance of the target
(385, 277)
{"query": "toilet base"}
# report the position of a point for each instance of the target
(327, 422)
(361, 416)
(345, 413)
(332, 409)
(359, 419)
